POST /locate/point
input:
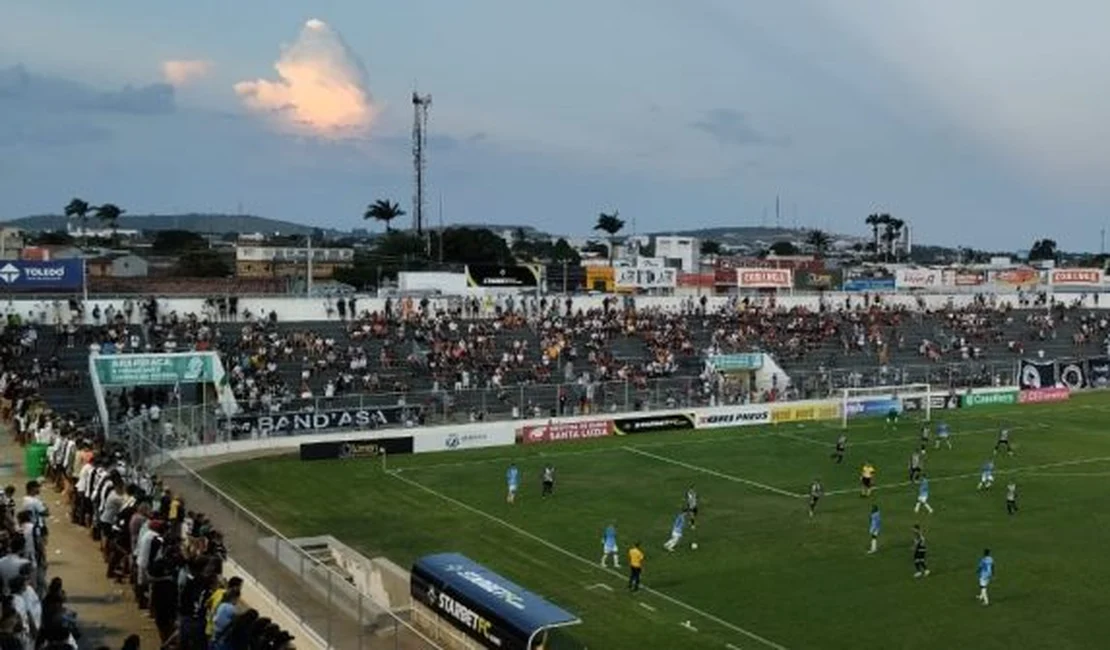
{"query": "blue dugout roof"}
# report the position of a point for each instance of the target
(510, 602)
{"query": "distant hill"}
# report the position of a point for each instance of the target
(202, 223)
(745, 234)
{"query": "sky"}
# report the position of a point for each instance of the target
(981, 124)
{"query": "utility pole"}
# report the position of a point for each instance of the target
(420, 106)
(441, 228)
(778, 214)
(308, 282)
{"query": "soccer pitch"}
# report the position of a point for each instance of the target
(765, 575)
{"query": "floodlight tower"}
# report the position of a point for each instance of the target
(420, 106)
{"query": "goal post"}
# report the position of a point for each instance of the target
(880, 400)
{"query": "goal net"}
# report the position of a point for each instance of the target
(879, 401)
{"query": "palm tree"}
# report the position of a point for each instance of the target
(383, 210)
(1043, 249)
(78, 210)
(891, 233)
(874, 221)
(109, 214)
(610, 224)
(819, 240)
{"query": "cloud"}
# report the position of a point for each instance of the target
(183, 72)
(322, 87)
(732, 128)
(44, 93)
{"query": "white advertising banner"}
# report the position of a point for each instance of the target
(733, 416)
(639, 277)
(430, 440)
(765, 278)
(918, 278)
(1076, 277)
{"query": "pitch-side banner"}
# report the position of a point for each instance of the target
(740, 416)
(565, 431)
(282, 424)
(1037, 374)
(765, 278)
(918, 278)
(1075, 277)
(1098, 372)
(1073, 374)
(30, 276)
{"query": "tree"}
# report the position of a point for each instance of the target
(819, 240)
(1043, 249)
(892, 232)
(203, 263)
(383, 210)
(108, 215)
(610, 224)
(596, 248)
(562, 251)
(78, 210)
(710, 247)
(51, 238)
(175, 242)
(875, 221)
(783, 249)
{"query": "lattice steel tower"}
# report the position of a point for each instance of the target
(420, 106)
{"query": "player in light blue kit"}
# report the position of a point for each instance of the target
(943, 434)
(609, 546)
(986, 573)
(923, 496)
(512, 477)
(874, 527)
(676, 531)
(986, 476)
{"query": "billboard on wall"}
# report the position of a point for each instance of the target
(31, 276)
(1016, 277)
(869, 283)
(494, 276)
(564, 431)
(645, 277)
(1076, 277)
(965, 278)
(918, 278)
(764, 278)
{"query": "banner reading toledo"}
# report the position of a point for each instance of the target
(126, 370)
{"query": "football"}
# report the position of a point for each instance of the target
(694, 545)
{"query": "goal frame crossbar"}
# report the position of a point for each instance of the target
(854, 402)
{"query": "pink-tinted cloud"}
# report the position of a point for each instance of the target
(321, 87)
(183, 72)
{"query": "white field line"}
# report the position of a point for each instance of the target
(1069, 474)
(648, 607)
(1015, 470)
(712, 472)
(887, 441)
(600, 585)
(559, 549)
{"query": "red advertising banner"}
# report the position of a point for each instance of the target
(1016, 277)
(1076, 277)
(764, 278)
(1042, 395)
(968, 278)
(562, 431)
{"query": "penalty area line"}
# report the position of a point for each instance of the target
(713, 472)
(559, 549)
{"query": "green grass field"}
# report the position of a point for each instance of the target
(765, 575)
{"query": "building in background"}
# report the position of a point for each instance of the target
(682, 253)
(11, 243)
(286, 261)
(117, 265)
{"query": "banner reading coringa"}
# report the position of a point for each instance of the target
(805, 413)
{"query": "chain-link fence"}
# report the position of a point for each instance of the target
(309, 587)
(191, 425)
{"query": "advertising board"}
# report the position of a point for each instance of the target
(765, 278)
(565, 431)
(992, 398)
(431, 440)
(640, 277)
(519, 276)
(869, 284)
(283, 424)
(1037, 374)
(653, 424)
(1044, 395)
(740, 416)
(1075, 277)
(805, 413)
(353, 449)
(965, 278)
(918, 278)
(1015, 277)
(125, 370)
(30, 276)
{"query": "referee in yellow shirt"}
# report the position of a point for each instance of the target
(636, 566)
(866, 479)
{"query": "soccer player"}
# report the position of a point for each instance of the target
(676, 532)
(512, 477)
(923, 495)
(986, 476)
(943, 433)
(920, 568)
(924, 438)
(1011, 498)
(691, 507)
(892, 418)
(875, 524)
(841, 445)
(866, 479)
(915, 467)
(635, 566)
(986, 573)
(816, 491)
(609, 546)
(548, 480)
(1004, 441)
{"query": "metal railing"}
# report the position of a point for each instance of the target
(315, 593)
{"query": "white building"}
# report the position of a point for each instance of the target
(686, 250)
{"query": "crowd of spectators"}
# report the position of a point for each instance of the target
(171, 557)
